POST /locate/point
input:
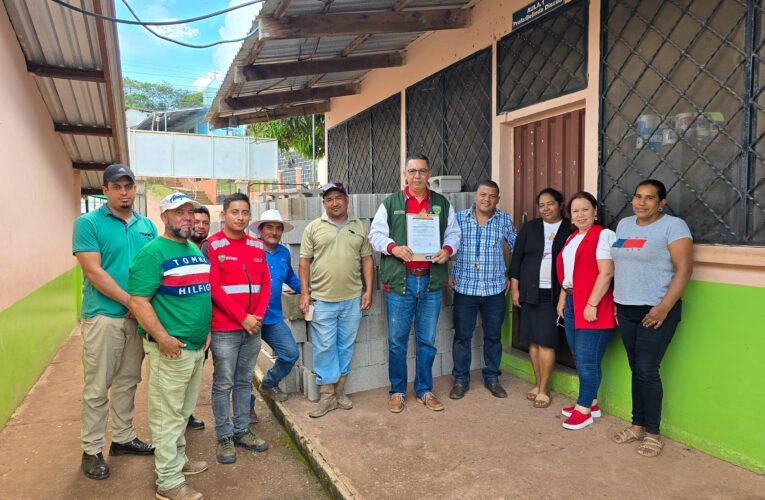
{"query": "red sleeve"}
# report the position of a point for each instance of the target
(449, 250)
(220, 298)
(559, 268)
(391, 246)
(265, 288)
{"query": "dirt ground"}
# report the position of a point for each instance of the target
(40, 451)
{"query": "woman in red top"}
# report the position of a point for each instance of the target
(586, 303)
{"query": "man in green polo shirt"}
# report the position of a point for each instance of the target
(105, 241)
(334, 253)
(169, 290)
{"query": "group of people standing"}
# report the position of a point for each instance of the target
(170, 298)
(574, 273)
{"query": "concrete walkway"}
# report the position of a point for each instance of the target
(40, 451)
(484, 447)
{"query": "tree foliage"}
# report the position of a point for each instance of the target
(293, 133)
(162, 96)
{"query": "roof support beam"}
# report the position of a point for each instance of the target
(362, 23)
(82, 130)
(272, 114)
(92, 166)
(329, 65)
(281, 98)
(83, 75)
(91, 191)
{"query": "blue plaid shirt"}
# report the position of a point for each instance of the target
(480, 266)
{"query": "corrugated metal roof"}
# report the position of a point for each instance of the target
(52, 35)
(255, 51)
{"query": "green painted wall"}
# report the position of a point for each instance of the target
(713, 374)
(31, 331)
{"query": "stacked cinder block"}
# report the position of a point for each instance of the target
(369, 366)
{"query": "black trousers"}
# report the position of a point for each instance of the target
(645, 348)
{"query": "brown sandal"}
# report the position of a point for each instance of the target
(532, 394)
(542, 400)
(650, 447)
(626, 436)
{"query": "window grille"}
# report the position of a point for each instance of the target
(448, 118)
(545, 59)
(681, 101)
(365, 150)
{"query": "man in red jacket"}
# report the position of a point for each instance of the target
(241, 287)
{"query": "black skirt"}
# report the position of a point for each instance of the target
(538, 321)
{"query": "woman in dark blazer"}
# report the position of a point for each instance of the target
(535, 287)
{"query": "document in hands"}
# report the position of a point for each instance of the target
(423, 235)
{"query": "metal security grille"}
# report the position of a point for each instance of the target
(543, 60)
(681, 102)
(365, 150)
(448, 118)
(360, 153)
(386, 145)
(337, 153)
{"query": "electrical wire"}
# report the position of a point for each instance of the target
(184, 44)
(153, 23)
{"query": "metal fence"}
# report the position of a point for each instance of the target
(448, 117)
(545, 59)
(681, 101)
(364, 151)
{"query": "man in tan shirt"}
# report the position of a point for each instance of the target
(334, 254)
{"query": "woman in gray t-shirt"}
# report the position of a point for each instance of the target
(653, 261)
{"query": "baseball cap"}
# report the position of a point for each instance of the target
(115, 171)
(338, 186)
(175, 200)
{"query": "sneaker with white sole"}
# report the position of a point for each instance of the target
(577, 421)
(594, 411)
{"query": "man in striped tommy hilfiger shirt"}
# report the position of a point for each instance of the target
(169, 287)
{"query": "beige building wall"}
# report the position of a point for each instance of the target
(492, 19)
(39, 190)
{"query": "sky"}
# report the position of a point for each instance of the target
(150, 59)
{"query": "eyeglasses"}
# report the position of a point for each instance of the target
(415, 172)
(559, 322)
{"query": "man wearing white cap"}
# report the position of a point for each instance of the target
(275, 331)
(169, 288)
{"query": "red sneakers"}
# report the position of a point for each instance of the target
(594, 411)
(577, 421)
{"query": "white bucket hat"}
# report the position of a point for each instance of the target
(270, 216)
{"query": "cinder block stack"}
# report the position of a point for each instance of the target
(369, 366)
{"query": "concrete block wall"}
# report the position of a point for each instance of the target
(369, 365)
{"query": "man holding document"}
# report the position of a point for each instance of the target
(416, 232)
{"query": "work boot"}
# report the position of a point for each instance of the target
(194, 467)
(180, 492)
(327, 401)
(250, 441)
(276, 394)
(225, 451)
(343, 401)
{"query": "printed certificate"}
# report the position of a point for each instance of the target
(423, 235)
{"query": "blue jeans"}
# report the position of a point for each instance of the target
(279, 337)
(234, 354)
(333, 332)
(466, 309)
(422, 306)
(588, 347)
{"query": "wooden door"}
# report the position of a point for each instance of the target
(547, 153)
